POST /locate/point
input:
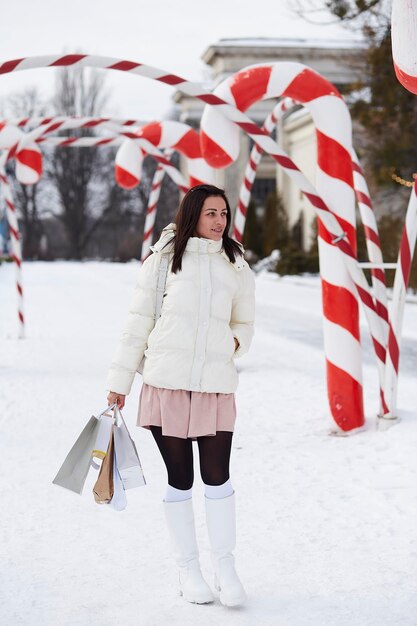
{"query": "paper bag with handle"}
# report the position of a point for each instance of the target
(104, 488)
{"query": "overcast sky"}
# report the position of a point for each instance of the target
(169, 34)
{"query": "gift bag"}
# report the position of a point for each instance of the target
(119, 500)
(128, 462)
(107, 440)
(104, 487)
(73, 472)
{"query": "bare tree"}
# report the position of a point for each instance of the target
(77, 172)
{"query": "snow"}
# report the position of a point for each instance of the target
(326, 525)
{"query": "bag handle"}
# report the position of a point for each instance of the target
(117, 414)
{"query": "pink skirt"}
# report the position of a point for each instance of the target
(186, 414)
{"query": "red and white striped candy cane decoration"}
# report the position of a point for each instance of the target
(28, 158)
(92, 123)
(250, 172)
(404, 42)
(402, 276)
(152, 206)
(373, 244)
(335, 184)
(15, 241)
(39, 135)
(170, 134)
(404, 52)
(173, 136)
(330, 224)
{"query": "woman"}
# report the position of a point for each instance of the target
(189, 376)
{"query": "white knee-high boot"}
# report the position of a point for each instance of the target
(180, 521)
(221, 525)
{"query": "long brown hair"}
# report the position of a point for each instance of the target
(187, 217)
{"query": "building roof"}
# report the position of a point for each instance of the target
(225, 46)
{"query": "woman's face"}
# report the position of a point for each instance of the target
(213, 218)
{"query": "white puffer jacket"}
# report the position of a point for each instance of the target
(205, 305)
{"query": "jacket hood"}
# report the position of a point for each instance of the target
(167, 236)
(165, 245)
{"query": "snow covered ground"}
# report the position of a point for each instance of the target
(326, 525)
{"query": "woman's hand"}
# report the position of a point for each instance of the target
(114, 397)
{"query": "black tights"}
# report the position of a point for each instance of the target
(177, 453)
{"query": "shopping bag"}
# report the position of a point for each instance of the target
(119, 500)
(73, 472)
(127, 457)
(103, 437)
(103, 489)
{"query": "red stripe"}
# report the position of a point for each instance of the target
(408, 81)
(129, 135)
(356, 167)
(308, 85)
(340, 307)
(19, 289)
(247, 184)
(16, 260)
(171, 79)
(365, 297)
(378, 274)
(393, 349)
(14, 232)
(10, 205)
(379, 350)
(372, 235)
(405, 257)
(152, 132)
(243, 208)
(213, 153)
(124, 178)
(362, 197)
(3, 179)
(31, 159)
(349, 246)
(162, 160)
(67, 142)
(385, 408)
(253, 164)
(21, 317)
(382, 311)
(251, 128)
(210, 98)
(333, 158)
(94, 123)
(250, 86)
(285, 162)
(53, 127)
(12, 151)
(237, 235)
(345, 398)
(316, 201)
(124, 66)
(189, 145)
(9, 66)
(68, 59)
